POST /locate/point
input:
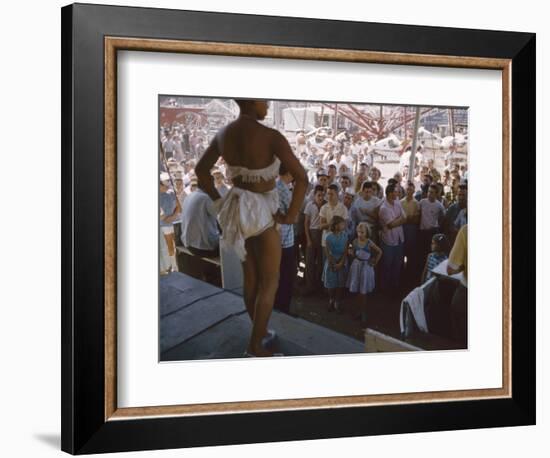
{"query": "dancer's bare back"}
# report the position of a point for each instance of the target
(247, 143)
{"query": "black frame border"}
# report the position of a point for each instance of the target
(84, 429)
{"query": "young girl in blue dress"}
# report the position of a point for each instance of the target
(365, 254)
(334, 272)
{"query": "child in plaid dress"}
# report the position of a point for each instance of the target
(440, 248)
(365, 254)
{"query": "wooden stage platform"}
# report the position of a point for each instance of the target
(201, 321)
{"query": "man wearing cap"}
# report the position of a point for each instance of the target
(219, 183)
(170, 210)
(193, 184)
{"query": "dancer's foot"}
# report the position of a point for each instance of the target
(269, 338)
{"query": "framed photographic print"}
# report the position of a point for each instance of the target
(286, 228)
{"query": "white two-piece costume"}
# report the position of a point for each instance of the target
(241, 213)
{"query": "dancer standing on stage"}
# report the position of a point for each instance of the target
(248, 213)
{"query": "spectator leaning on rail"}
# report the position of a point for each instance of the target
(199, 226)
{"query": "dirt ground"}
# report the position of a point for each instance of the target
(382, 312)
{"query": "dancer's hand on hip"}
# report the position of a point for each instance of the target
(281, 218)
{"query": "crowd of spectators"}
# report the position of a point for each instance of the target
(358, 231)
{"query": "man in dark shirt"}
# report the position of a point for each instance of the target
(449, 227)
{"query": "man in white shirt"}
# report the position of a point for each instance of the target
(361, 177)
(345, 186)
(322, 180)
(313, 233)
(347, 200)
(332, 173)
(199, 227)
(391, 217)
(178, 148)
(365, 209)
(337, 161)
(432, 213)
(169, 146)
(368, 156)
(287, 270)
(332, 208)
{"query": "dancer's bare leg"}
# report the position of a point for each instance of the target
(250, 278)
(268, 260)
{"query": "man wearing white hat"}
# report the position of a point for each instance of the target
(170, 212)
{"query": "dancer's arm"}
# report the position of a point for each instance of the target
(203, 167)
(284, 152)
